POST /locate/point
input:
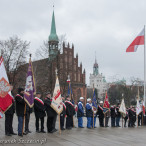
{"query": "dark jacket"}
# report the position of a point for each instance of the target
(113, 113)
(50, 111)
(80, 112)
(11, 110)
(70, 110)
(39, 108)
(89, 112)
(100, 112)
(63, 113)
(20, 104)
(118, 114)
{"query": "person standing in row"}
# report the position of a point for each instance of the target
(51, 114)
(118, 116)
(39, 110)
(100, 114)
(107, 116)
(89, 113)
(80, 112)
(113, 115)
(63, 114)
(20, 105)
(69, 112)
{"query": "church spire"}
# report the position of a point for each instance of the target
(53, 36)
(95, 67)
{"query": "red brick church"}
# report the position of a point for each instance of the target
(66, 64)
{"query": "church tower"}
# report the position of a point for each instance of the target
(95, 68)
(53, 40)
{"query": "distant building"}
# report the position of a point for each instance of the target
(66, 64)
(98, 81)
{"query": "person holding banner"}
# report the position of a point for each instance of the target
(89, 113)
(100, 114)
(20, 105)
(113, 115)
(39, 111)
(80, 112)
(118, 116)
(51, 113)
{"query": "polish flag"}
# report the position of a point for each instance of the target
(143, 107)
(139, 40)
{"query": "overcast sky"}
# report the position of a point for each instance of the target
(104, 26)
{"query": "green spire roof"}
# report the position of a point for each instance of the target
(53, 36)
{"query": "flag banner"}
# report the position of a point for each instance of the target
(57, 104)
(106, 104)
(138, 108)
(5, 89)
(94, 101)
(143, 108)
(139, 40)
(122, 108)
(30, 86)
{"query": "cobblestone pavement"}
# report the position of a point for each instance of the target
(76, 137)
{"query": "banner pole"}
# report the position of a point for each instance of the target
(24, 119)
(104, 120)
(93, 118)
(144, 65)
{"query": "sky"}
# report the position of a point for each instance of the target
(106, 27)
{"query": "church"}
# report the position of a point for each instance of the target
(65, 63)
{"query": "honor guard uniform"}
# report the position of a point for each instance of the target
(9, 120)
(80, 112)
(51, 114)
(126, 117)
(118, 116)
(63, 114)
(70, 111)
(20, 106)
(89, 113)
(39, 110)
(113, 115)
(131, 117)
(100, 114)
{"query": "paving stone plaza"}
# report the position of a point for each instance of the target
(76, 137)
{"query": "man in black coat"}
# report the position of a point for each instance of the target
(70, 111)
(62, 115)
(118, 116)
(39, 110)
(20, 105)
(9, 120)
(113, 115)
(51, 114)
(100, 114)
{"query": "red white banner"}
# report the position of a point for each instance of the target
(106, 103)
(139, 40)
(5, 89)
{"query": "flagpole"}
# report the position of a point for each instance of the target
(93, 108)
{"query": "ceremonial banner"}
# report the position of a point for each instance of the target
(139, 40)
(138, 107)
(5, 90)
(122, 108)
(30, 86)
(94, 101)
(106, 104)
(57, 100)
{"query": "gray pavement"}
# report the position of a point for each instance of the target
(76, 137)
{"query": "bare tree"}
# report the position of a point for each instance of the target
(14, 51)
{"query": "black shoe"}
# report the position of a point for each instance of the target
(37, 131)
(54, 130)
(69, 128)
(29, 131)
(50, 131)
(62, 128)
(20, 135)
(8, 134)
(42, 131)
(13, 133)
(25, 133)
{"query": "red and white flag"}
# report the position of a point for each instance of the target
(5, 89)
(139, 40)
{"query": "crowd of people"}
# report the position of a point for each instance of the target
(42, 108)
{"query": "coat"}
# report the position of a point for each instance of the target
(89, 112)
(80, 112)
(70, 110)
(100, 112)
(39, 108)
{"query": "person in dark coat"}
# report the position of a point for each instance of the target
(126, 117)
(20, 105)
(51, 114)
(39, 110)
(118, 116)
(100, 114)
(80, 112)
(9, 120)
(113, 115)
(70, 111)
(140, 119)
(131, 117)
(63, 114)
(27, 119)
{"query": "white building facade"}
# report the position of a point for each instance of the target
(98, 81)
